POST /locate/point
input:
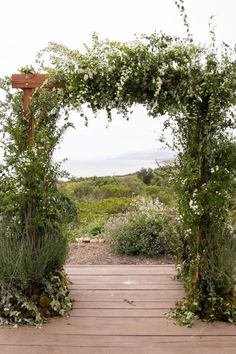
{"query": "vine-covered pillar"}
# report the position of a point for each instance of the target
(28, 82)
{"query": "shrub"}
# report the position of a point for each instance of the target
(104, 187)
(94, 228)
(112, 191)
(33, 286)
(152, 191)
(24, 263)
(101, 209)
(83, 189)
(137, 236)
(148, 229)
(146, 175)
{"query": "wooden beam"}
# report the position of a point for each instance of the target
(30, 81)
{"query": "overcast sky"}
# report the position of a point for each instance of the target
(26, 26)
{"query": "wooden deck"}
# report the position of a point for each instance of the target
(119, 310)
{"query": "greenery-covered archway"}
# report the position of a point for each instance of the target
(196, 87)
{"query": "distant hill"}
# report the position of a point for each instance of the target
(160, 155)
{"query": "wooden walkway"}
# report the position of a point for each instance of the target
(119, 310)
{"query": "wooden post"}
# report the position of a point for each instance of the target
(28, 82)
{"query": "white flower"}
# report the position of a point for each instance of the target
(192, 205)
(174, 64)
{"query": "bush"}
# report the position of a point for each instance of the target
(101, 209)
(112, 191)
(138, 236)
(146, 175)
(148, 229)
(152, 191)
(22, 263)
(33, 286)
(94, 228)
(104, 187)
(83, 189)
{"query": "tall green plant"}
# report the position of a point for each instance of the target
(33, 213)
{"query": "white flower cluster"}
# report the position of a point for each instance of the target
(148, 207)
(124, 77)
(214, 169)
(193, 203)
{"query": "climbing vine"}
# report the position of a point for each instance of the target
(195, 85)
(33, 214)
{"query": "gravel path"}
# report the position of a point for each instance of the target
(99, 253)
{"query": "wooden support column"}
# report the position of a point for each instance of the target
(28, 82)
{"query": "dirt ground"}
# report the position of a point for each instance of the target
(99, 253)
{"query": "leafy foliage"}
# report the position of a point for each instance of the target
(146, 175)
(195, 85)
(99, 198)
(20, 264)
(33, 213)
(37, 304)
(148, 228)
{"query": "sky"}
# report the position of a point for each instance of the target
(26, 26)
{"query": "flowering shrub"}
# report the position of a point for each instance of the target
(149, 229)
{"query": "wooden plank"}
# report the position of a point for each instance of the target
(132, 326)
(75, 350)
(121, 295)
(34, 337)
(99, 326)
(130, 312)
(131, 286)
(108, 266)
(123, 279)
(120, 270)
(123, 304)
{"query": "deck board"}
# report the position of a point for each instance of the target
(120, 309)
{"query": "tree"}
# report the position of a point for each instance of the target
(146, 175)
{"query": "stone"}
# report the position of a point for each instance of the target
(86, 240)
(79, 239)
